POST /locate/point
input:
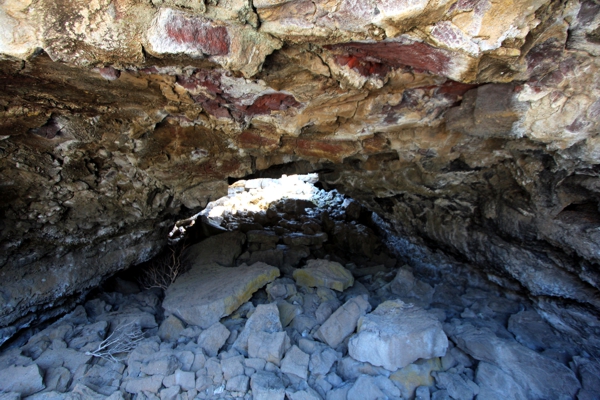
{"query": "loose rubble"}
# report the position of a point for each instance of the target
(327, 322)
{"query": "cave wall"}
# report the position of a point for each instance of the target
(471, 125)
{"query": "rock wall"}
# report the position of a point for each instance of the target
(470, 124)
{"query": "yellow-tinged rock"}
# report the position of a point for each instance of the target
(210, 292)
(324, 273)
(418, 374)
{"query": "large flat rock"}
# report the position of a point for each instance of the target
(210, 292)
(324, 273)
(396, 335)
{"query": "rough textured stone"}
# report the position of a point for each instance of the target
(324, 273)
(267, 386)
(540, 376)
(24, 380)
(265, 318)
(470, 124)
(207, 293)
(268, 346)
(212, 339)
(295, 362)
(395, 335)
(342, 323)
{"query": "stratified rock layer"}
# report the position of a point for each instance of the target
(472, 125)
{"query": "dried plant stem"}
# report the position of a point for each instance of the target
(123, 339)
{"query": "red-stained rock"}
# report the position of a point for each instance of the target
(381, 55)
(198, 33)
(252, 139)
(272, 102)
(331, 150)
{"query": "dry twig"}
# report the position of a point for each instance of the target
(163, 271)
(123, 339)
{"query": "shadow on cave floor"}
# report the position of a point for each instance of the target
(282, 289)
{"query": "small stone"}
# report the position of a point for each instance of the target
(287, 312)
(456, 385)
(264, 319)
(25, 380)
(422, 393)
(295, 362)
(232, 366)
(307, 394)
(396, 335)
(185, 380)
(342, 322)
(322, 361)
(163, 365)
(267, 386)
(57, 379)
(365, 387)
(268, 346)
(409, 378)
(170, 393)
(238, 384)
(151, 384)
(324, 273)
(212, 339)
(170, 329)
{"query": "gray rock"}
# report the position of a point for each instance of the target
(456, 385)
(170, 393)
(25, 380)
(170, 329)
(268, 346)
(306, 394)
(295, 362)
(184, 380)
(422, 393)
(322, 361)
(238, 384)
(264, 319)
(395, 335)
(57, 379)
(212, 339)
(103, 379)
(410, 289)
(281, 288)
(532, 331)
(441, 395)
(267, 386)
(366, 388)
(324, 273)
(272, 257)
(301, 239)
(539, 376)
(258, 364)
(340, 393)
(151, 384)
(342, 322)
(268, 238)
(210, 292)
(68, 358)
(163, 364)
(232, 366)
(589, 372)
(10, 396)
(495, 384)
(222, 249)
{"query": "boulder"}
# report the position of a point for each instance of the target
(495, 384)
(324, 273)
(170, 329)
(264, 319)
(210, 292)
(539, 376)
(25, 380)
(396, 335)
(415, 375)
(532, 331)
(342, 322)
(212, 339)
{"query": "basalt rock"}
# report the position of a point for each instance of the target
(469, 126)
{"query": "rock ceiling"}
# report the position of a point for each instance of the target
(472, 125)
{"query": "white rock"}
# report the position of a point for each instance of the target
(295, 362)
(342, 322)
(396, 335)
(268, 346)
(264, 319)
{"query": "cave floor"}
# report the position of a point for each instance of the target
(304, 299)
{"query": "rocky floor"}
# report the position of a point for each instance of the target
(298, 299)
